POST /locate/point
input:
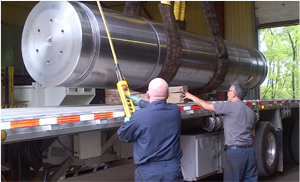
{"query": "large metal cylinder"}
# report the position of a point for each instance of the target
(65, 44)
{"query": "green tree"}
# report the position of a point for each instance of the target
(280, 46)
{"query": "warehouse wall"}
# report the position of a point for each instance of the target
(13, 17)
(239, 22)
(16, 12)
(195, 19)
(11, 48)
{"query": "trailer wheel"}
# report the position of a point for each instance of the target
(266, 148)
(295, 142)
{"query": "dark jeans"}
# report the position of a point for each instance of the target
(240, 165)
(159, 171)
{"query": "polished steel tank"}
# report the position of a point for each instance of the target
(65, 44)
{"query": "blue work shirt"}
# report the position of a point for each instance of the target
(155, 132)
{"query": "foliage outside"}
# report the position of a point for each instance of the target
(280, 46)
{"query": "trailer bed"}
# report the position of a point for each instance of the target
(23, 124)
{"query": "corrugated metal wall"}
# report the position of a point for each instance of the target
(16, 12)
(239, 22)
(195, 19)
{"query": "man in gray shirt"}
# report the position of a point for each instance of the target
(239, 123)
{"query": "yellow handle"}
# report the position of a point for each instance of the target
(127, 103)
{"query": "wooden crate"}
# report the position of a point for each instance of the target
(176, 97)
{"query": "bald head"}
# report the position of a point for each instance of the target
(158, 89)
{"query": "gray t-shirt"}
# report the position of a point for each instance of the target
(239, 121)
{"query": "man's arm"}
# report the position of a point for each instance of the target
(253, 133)
(137, 101)
(128, 131)
(143, 104)
(202, 103)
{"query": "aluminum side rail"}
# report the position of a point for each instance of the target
(23, 124)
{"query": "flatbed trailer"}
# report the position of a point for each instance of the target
(203, 151)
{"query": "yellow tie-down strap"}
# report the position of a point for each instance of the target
(127, 103)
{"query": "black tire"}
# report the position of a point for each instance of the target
(266, 148)
(295, 142)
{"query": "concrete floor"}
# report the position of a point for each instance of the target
(124, 171)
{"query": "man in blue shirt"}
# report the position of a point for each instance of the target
(155, 133)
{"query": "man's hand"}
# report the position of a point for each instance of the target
(134, 99)
(126, 119)
(202, 103)
(187, 95)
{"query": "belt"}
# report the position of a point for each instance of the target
(172, 161)
(237, 146)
